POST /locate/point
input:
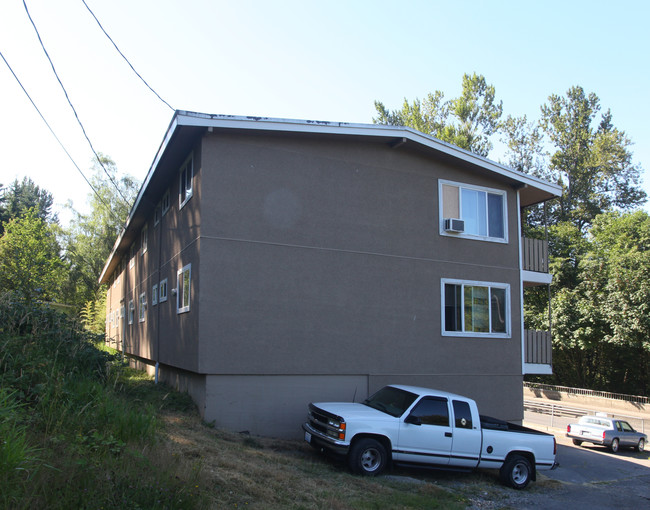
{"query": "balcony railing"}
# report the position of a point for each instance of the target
(537, 345)
(535, 255)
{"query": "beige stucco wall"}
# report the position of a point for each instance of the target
(316, 272)
(323, 258)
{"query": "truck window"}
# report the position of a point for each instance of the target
(462, 414)
(432, 411)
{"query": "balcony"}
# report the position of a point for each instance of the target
(535, 255)
(534, 262)
(537, 352)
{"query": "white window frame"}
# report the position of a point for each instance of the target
(154, 294)
(156, 215)
(186, 181)
(164, 203)
(467, 235)
(162, 291)
(131, 311)
(144, 240)
(142, 307)
(132, 252)
(475, 334)
(180, 289)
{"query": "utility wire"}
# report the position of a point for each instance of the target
(126, 59)
(126, 202)
(108, 207)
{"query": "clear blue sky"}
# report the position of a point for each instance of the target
(324, 60)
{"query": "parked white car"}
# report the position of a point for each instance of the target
(411, 425)
(606, 432)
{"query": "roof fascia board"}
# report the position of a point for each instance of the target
(371, 130)
(171, 129)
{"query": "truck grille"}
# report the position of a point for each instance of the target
(326, 423)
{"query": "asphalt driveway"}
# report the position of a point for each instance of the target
(589, 477)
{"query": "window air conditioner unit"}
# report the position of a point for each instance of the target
(454, 225)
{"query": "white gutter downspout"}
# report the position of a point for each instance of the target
(521, 286)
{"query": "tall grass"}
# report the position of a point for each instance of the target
(70, 436)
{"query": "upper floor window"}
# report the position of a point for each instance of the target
(156, 215)
(185, 184)
(482, 212)
(144, 239)
(154, 295)
(164, 203)
(132, 251)
(183, 289)
(475, 308)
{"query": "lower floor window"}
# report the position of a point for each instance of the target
(475, 308)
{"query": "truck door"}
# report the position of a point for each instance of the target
(425, 434)
(466, 445)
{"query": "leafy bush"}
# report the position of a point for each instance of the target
(70, 434)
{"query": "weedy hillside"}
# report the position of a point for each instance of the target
(79, 429)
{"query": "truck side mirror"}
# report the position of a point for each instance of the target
(413, 420)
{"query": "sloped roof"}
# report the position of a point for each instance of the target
(186, 127)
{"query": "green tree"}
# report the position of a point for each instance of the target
(22, 196)
(91, 237)
(590, 158)
(467, 121)
(30, 259)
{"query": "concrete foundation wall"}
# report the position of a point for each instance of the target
(275, 406)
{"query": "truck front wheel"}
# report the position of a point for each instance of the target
(367, 457)
(516, 472)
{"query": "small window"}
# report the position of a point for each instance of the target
(162, 291)
(482, 211)
(462, 414)
(142, 308)
(475, 308)
(183, 289)
(132, 255)
(185, 184)
(131, 311)
(164, 203)
(144, 239)
(156, 215)
(432, 411)
(154, 295)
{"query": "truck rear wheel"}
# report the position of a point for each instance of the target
(367, 457)
(516, 472)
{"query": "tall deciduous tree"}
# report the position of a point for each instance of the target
(30, 259)
(467, 121)
(92, 236)
(590, 158)
(602, 322)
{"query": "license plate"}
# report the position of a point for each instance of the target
(308, 437)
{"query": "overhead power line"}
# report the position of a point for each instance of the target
(108, 207)
(126, 59)
(126, 202)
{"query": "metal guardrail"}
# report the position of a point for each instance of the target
(561, 412)
(590, 393)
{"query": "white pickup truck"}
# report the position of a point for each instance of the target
(411, 425)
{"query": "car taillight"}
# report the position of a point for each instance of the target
(603, 435)
(568, 428)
